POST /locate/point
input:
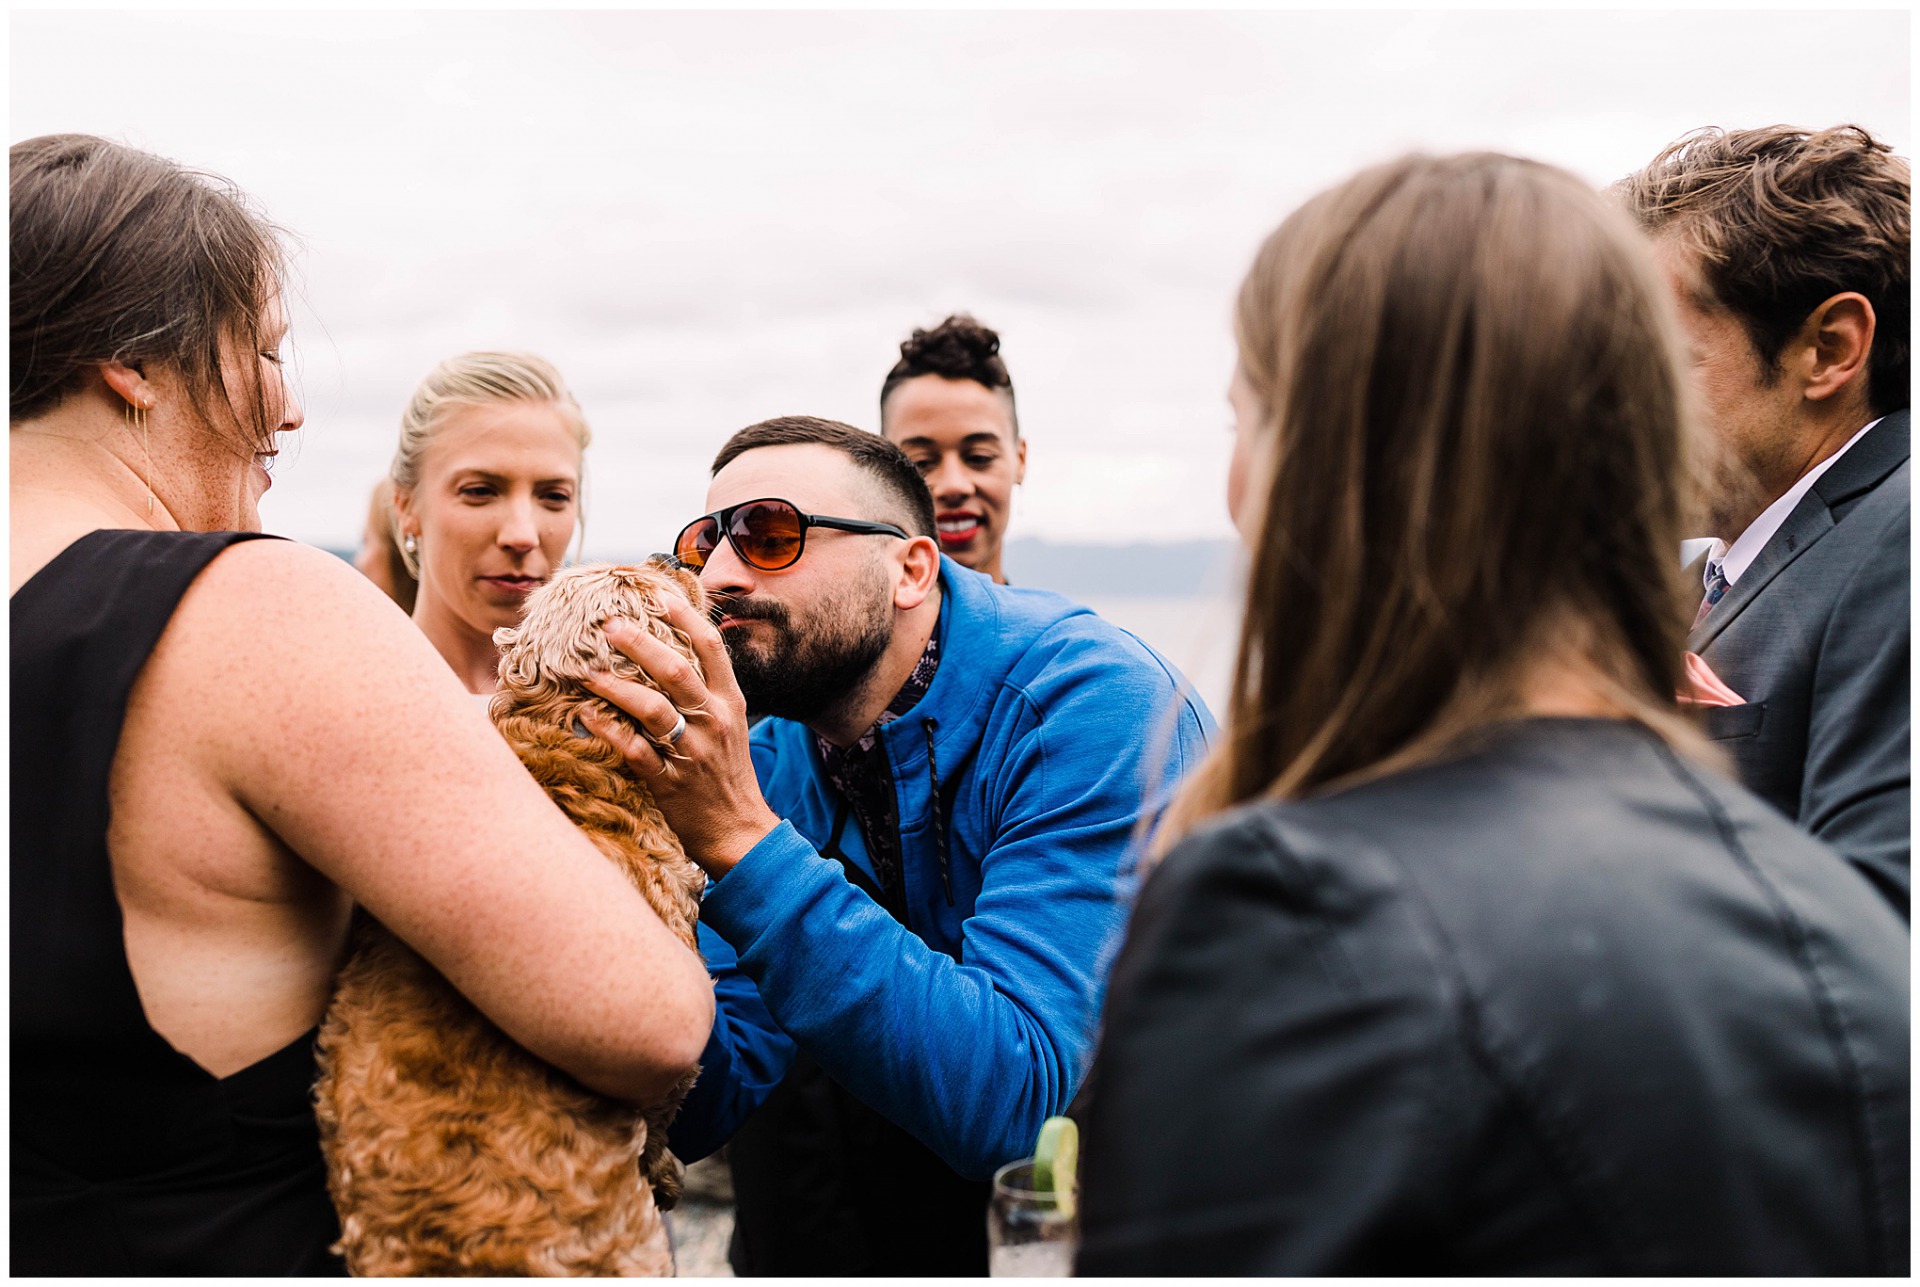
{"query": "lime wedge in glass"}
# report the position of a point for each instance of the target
(1056, 1162)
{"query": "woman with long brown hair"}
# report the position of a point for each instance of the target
(1465, 957)
(222, 743)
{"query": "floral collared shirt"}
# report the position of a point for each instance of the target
(864, 778)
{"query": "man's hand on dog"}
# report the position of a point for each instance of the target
(704, 783)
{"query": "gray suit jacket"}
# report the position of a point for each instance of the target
(1816, 636)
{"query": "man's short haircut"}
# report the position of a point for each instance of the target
(958, 349)
(886, 463)
(1784, 218)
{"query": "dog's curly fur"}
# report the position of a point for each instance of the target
(449, 1149)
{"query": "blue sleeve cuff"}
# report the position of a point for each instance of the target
(762, 887)
(705, 1121)
(746, 1057)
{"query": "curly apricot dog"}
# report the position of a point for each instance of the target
(450, 1150)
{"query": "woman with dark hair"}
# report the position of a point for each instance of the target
(948, 403)
(220, 745)
(1465, 957)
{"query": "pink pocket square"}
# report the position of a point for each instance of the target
(1704, 688)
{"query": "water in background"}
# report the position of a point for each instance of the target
(1181, 598)
(1191, 617)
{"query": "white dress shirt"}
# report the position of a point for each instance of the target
(1732, 560)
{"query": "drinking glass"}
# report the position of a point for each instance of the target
(1029, 1233)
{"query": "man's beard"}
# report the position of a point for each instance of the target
(802, 673)
(1731, 494)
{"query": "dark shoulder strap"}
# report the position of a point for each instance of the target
(81, 630)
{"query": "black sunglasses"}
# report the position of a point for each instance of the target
(767, 534)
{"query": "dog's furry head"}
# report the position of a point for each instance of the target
(558, 642)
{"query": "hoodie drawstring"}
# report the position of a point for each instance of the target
(928, 726)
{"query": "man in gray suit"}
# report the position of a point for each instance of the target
(1787, 254)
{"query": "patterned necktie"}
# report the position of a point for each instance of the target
(1716, 587)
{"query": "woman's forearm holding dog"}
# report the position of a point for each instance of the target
(394, 785)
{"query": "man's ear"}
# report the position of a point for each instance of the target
(919, 573)
(1835, 342)
(1019, 461)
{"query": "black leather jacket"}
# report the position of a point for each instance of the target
(1564, 1005)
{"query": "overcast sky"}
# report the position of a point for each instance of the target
(706, 219)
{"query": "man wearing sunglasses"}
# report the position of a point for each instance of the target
(918, 862)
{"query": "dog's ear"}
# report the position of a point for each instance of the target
(690, 586)
(683, 576)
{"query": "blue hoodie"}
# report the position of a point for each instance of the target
(972, 1023)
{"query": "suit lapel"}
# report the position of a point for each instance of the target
(1810, 520)
(1872, 459)
(1860, 470)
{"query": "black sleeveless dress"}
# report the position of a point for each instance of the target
(128, 1157)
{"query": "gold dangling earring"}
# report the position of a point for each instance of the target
(137, 419)
(146, 445)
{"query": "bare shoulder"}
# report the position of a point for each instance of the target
(279, 609)
(286, 576)
(279, 648)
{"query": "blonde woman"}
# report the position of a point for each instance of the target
(1469, 960)
(486, 493)
(221, 743)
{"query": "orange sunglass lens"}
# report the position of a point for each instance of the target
(696, 543)
(767, 536)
